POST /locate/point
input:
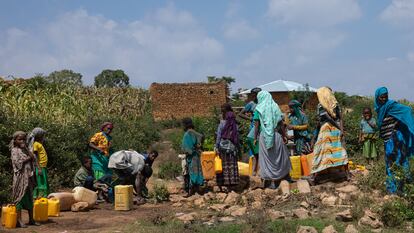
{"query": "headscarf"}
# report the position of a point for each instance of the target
(402, 113)
(106, 124)
(297, 107)
(327, 99)
(230, 128)
(36, 132)
(15, 135)
(270, 115)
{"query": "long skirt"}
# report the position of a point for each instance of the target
(42, 188)
(302, 146)
(194, 169)
(328, 151)
(369, 150)
(397, 164)
(230, 174)
(100, 164)
(274, 162)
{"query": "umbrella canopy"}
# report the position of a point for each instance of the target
(281, 86)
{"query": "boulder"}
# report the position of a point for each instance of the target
(271, 192)
(370, 219)
(256, 195)
(303, 186)
(301, 213)
(274, 215)
(255, 182)
(218, 207)
(200, 202)
(351, 229)
(329, 201)
(236, 211)
(306, 229)
(176, 198)
(232, 198)
(347, 189)
(344, 216)
(329, 229)
(284, 187)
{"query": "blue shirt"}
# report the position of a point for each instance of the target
(366, 128)
(250, 107)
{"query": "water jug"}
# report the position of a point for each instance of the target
(243, 169)
(40, 210)
(305, 165)
(218, 166)
(296, 172)
(123, 197)
(251, 165)
(82, 194)
(66, 200)
(8, 216)
(53, 207)
(207, 164)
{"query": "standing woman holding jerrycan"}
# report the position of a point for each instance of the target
(36, 140)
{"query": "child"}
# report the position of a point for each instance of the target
(84, 176)
(367, 135)
(23, 177)
(36, 140)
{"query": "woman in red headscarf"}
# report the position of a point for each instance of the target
(100, 144)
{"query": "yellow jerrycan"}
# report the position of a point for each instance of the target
(9, 216)
(53, 207)
(218, 165)
(123, 197)
(207, 164)
(296, 172)
(243, 169)
(40, 210)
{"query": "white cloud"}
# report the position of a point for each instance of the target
(240, 30)
(167, 44)
(313, 13)
(399, 13)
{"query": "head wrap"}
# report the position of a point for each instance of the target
(297, 107)
(106, 124)
(270, 115)
(327, 99)
(230, 130)
(14, 137)
(255, 90)
(36, 132)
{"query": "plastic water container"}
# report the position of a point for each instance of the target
(123, 197)
(40, 210)
(66, 200)
(53, 207)
(243, 169)
(305, 165)
(251, 165)
(218, 165)
(82, 194)
(207, 164)
(9, 216)
(296, 172)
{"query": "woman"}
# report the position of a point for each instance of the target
(396, 125)
(328, 150)
(227, 144)
(101, 144)
(299, 125)
(274, 159)
(191, 146)
(36, 141)
(23, 177)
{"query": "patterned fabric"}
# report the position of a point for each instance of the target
(23, 179)
(190, 145)
(41, 154)
(328, 101)
(324, 116)
(230, 174)
(300, 130)
(388, 127)
(328, 150)
(366, 126)
(102, 141)
(42, 188)
(230, 129)
(396, 160)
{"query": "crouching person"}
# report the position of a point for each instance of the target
(84, 176)
(128, 165)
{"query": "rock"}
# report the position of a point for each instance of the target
(221, 197)
(193, 197)
(271, 192)
(187, 218)
(245, 200)
(323, 195)
(256, 195)
(176, 198)
(370, 219)
(284, 187)
(303, 186)
(329, 229)
(344, 216)
(209, 196)
(306, 229)
(304, 205)
(274, 215)
(236, 211)
(301, 213)
(177, 204)
(347, 189)
(218, 207)
(255, 182)
(351, 229)
(216, 189)
(329, 201)
(232, 198)
(257, 205)
(200, 202)
(209, 222)
(344, 198)
(227, 219)
(79, 207)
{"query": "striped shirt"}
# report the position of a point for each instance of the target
(388, 127)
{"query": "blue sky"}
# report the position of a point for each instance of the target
(351, 45)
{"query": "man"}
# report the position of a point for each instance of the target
(147, 171)
(247, 114)
(84, 176)
(129, 166)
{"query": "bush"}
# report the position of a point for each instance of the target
(394, 213)
(159, 193)
(169, 170)
(359, 205)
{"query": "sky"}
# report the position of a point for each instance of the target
(353, 46)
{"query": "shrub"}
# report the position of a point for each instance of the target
(169, 170)
(394, 212)
(159, 193)
(359, 205)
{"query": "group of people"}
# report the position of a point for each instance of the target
(268, 137)
(100, 171)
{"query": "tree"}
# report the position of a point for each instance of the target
(228, 79)
(302, 95)
(112, 78)
(65, 77)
